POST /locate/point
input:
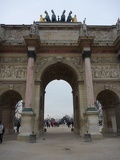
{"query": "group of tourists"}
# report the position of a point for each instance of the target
(51, 124)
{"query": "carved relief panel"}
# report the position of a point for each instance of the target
(11, 71)
(13, 67)
(105, 67)
(106, 71)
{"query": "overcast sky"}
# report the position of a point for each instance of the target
(96, 12)
(58, 98)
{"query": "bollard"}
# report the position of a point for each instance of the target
(87, 137)
(32, 138)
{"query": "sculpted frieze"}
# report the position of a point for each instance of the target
(11, 71)
(13, 59)
(104, 60)
(105, 71)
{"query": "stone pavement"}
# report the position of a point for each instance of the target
(60, 144)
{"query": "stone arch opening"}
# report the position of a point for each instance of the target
(59, 71)
(108, 100)
(8, 100)
(58, 99)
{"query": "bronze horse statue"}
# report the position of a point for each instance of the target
(63, 16)
(69, 18)
(47, 18)
(53, 16)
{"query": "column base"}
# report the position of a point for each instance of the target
(117, 113)
(92, 125)
(76, 131)
(27, 124)
(23, 137)
(118, 132)
(41, 131)
(97, 136)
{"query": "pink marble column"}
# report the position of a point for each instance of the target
(91, 114)
(30, 78)
(88, 78)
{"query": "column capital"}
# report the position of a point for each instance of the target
(86, 54)
(31, 54)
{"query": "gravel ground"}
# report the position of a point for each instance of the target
(59, 143)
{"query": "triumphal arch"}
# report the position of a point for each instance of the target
(86, 56)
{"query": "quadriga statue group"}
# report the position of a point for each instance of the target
(58, 19)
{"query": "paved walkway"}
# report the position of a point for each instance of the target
(60, 144)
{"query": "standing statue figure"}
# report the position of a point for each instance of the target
(100, 112)
(33, 29)
(19, 107)
(63, 16)
(84, 28)
(47, 18)
(69, 18)
(42, 19)
(74, 19)
(53, 16)
(118, 26)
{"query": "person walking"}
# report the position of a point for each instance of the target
(18, 126)
(2, 130)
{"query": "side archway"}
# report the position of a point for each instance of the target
(8, 100)
(108, 100)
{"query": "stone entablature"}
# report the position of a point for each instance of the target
(65, 33)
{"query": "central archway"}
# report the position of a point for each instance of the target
(58, 100)
(60, 71)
